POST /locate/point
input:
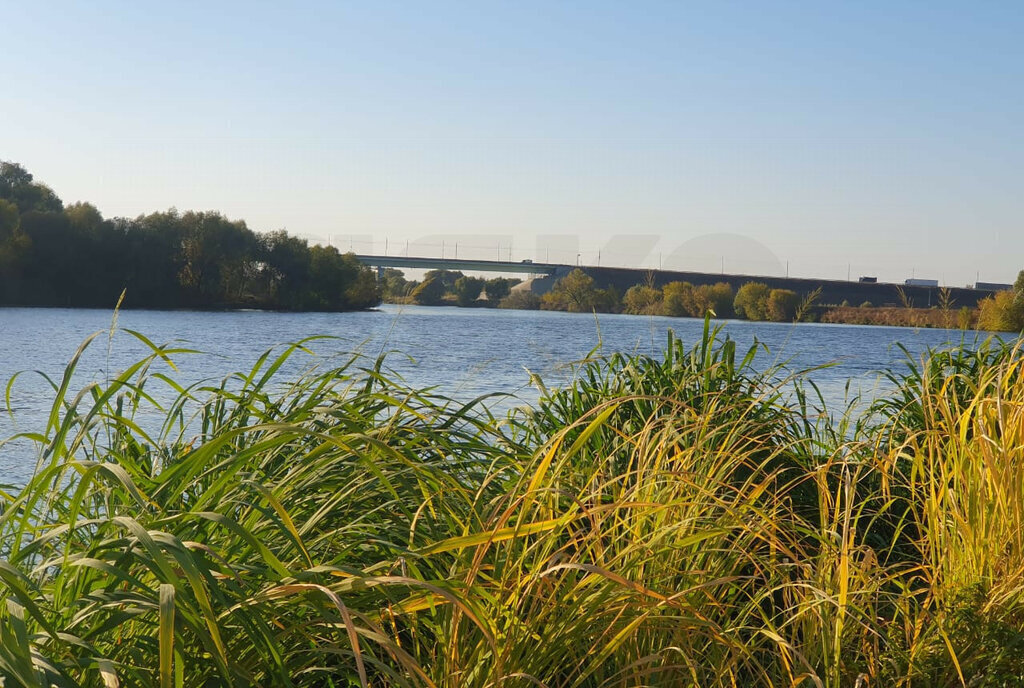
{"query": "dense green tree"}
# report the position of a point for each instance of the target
(642, 299)
(13, 245)
(608, 300)
(17, 186)
(575, 293)
(13, 178)
(9, 220)
(217, 257)
(51, 259)
(782, 304)
(467, 289)
(84, 217)
(677, 299)
(327, 279)
(446, 277)
(394, 285)
(288, 261)
(751, 301)
(152, 259)
(713, 298)
(429, 292)
(498, 288)
(363, 290)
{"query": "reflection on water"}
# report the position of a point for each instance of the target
(464, 353)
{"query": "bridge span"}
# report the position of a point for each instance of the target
(831, 291)
(525, 266)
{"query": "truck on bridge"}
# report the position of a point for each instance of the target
(993, 286)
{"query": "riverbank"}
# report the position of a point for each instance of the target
(658, 521)
(961, 319)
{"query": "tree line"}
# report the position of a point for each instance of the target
(577, 292)
(445, 287)
(57, 255)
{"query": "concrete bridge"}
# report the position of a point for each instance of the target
(525, 266)
(832, 291)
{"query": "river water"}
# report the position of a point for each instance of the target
(464, 353)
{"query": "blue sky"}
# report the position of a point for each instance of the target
(880, 138)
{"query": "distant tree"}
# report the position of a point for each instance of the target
(287, 274)
(642, 299)
(50, 263)
(217, 254)
(575, 293)
(17, 186)
(716, 298)
(97, 243)
(9, 220)
(467, 289)
(963, 318)
(751, 301)
(445, 277)
(608, 300)
(394, 285)
(13, 178)
(782, 305)
(13, 245)
(677, 299)
(330, 278)
(363, 290)
(151, 259)
(1018, 287)
(498, 288)
(521, 299)
(1001, 312)
(84, 217)
(429, 292)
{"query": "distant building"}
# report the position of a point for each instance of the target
(993, 286)
(921, 283)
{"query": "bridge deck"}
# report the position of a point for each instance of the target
(460, 264)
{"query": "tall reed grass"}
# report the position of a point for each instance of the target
(688, 520)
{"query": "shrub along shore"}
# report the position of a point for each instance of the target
(680, 521)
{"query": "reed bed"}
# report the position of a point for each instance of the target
(688, 520)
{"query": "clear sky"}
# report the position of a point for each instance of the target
(880, 138)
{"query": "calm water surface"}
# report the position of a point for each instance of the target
(462, 352)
